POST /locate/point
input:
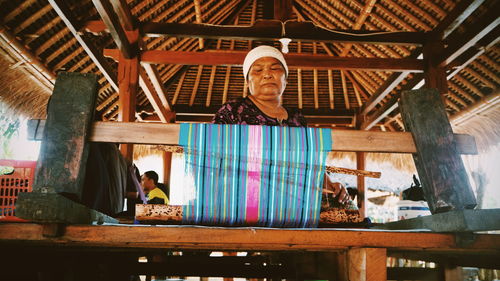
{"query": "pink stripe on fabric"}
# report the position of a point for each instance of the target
(254, 173)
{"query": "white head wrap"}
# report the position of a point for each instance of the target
(260, 52)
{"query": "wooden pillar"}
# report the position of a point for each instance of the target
(451, 272)
(367, 264)
(434, 74)
(128, 79)
(63, 157)
(441, 170)
(362, 199)
(64, 151)
(167, 168)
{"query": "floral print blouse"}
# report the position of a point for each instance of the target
(243, 111)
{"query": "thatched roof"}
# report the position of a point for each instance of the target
(20, 93)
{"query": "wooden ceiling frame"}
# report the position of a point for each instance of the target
(265, 30)
(445, 28)
(117, 18)
(66, 15)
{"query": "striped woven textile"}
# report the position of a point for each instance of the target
(245, 175)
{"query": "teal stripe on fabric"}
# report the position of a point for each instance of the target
(290, 167)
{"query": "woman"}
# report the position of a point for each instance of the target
(266, 72)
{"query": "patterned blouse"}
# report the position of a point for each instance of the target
(243, 111)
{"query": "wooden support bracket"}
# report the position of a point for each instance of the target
(367, 264)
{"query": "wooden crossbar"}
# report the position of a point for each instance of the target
(168, 134)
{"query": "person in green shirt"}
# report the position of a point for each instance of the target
(154, 194)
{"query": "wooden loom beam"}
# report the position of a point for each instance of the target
(344, 140)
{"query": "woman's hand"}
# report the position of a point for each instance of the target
(337, 189)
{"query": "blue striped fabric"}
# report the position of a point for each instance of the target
(253, 175)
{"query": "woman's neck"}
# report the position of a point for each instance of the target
(272, 109)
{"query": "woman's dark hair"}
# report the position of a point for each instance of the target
(152, 175)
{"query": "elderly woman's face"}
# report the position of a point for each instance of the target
(267, 79)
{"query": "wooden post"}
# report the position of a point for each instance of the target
(434, 74)
(63, 154)
(167, 168)
(367, 264)
(440, 168)
(128, 79)
(362, 199)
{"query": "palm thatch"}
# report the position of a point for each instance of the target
(20, 94)
(485, 127)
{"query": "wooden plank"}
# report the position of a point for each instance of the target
(63, 152)
(154, 99)
(266, 30)
(128, 80)
(210, 85)
(315, 88)
(367, 264)
(344, 140)
(305, 61)
(344, 90)
(441, 170)
(155, 77)
(197, 11)
(226, 84)
(199, 237)
(452, 221)
(179, 87)
(330, 89)
(55, 208)
(196, 84)
(362, 198)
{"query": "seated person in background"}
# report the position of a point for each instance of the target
(154, 194)
(266, 73)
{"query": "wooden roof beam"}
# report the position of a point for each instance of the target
(454, 18)
(384, 90)
(305, 61)
(344, 90)
(46, 76)
(461, 43)
(114, 26)
(273, 29)
(117, 18)
(363, 15)
(164, 115)
(197, 11)
(65, 14)
(283, 9)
